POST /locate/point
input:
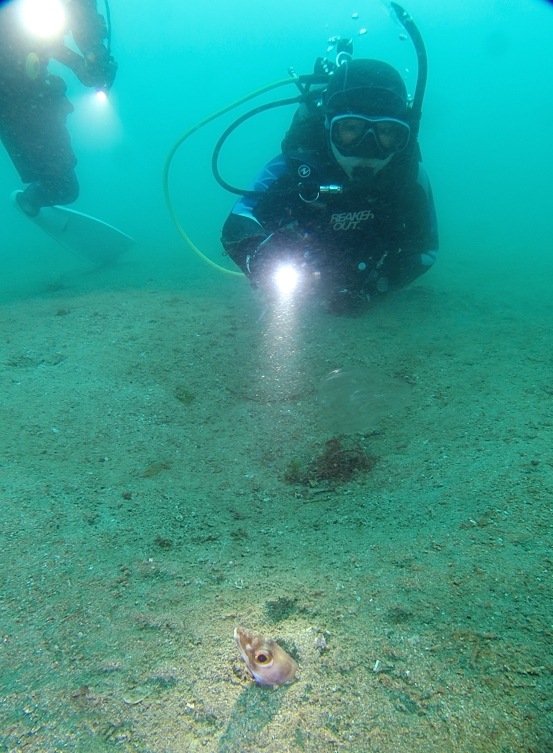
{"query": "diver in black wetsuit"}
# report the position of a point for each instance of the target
(348, 202)
(33, 105)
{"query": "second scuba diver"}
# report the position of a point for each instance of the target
(33, 105)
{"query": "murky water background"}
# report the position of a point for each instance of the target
(152, 413)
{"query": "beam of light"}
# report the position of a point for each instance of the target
(279, 343)
(44, 18)
(96, 122)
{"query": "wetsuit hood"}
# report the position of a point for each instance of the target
(366, 87)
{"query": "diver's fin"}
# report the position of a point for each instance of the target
(86, 237)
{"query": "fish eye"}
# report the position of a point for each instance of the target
(263, 657)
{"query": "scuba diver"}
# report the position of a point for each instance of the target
(347, 205)
(33, 105)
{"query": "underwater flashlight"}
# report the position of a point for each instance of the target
(286, 279)
(101, 95)
(44, 18)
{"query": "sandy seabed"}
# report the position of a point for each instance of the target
(147, 509)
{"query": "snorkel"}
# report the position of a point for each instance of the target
(422, 66)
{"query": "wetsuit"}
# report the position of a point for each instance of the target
(33, 105)
(379, 233)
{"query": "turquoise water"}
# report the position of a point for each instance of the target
(162, 431)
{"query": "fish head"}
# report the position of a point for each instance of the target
(269, 664)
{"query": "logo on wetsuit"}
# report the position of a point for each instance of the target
(350, 220)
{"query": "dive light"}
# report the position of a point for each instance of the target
(286, 279)
(43, 18)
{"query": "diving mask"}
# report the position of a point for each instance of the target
(368, 137)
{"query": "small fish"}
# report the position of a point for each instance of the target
(267, 661)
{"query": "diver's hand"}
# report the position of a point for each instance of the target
(98, 71)
(285, 246)
(264, 256)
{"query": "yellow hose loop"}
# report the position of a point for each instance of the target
(182, 139)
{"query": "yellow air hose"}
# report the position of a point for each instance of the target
(181, 140)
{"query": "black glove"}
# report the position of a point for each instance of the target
(98, 71)
(95, 69)
(285, 246)
(92, 37)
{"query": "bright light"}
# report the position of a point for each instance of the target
(101, 96)
(45, 18)
(286, 279)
